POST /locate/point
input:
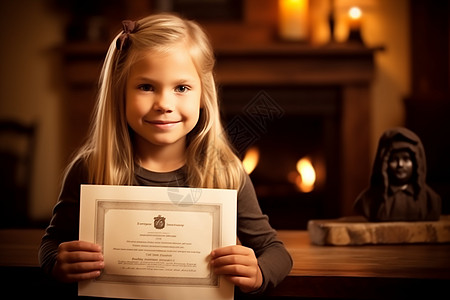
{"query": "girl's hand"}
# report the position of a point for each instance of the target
(77, 261)
(240, 266)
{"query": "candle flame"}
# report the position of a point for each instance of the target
(305, 181)
(251, 159)
(355, 13)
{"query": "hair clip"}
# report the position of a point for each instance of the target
(123, 40)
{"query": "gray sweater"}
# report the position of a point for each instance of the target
(253, 228)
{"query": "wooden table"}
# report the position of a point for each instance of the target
(365, 272)
(337, 272)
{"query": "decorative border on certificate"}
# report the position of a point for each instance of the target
(154, 243)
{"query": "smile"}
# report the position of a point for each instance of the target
(162, 124)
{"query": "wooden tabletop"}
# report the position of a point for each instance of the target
(350, 272)
(398, 261)
(364, 272)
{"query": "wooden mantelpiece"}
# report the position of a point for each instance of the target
(284, 63)
(348, 67)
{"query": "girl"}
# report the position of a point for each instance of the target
(157, 123)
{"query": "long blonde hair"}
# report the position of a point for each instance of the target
(108, 152)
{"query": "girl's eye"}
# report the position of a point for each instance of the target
(181, 89)
(146, 87)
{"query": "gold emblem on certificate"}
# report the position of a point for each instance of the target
(159, 222)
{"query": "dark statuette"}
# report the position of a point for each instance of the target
(398, 190)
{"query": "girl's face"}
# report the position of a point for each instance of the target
(163, 98)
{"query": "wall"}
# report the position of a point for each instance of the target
(30, 89)
(384, 23)
(388, 25)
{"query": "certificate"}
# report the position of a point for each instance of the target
(156, 241)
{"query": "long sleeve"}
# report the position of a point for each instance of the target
(64, 223)
(254, 231)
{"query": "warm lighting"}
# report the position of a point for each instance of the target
(354, 24)
(305, 181)
(355, 15)
(251, 159)
(293, 19)
(355, 12)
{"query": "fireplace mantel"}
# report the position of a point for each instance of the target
(348, 67)
(281, 64)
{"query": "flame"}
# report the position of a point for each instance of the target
(355, 13)
(251, 159)
(305, 181)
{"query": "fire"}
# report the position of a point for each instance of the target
(307, 175)
(251, 159)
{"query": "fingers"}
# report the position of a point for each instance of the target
(234, 267)
(79, 251)
(80, 266)
(233, 256)
(79, 246)
(246, 284)
(78, 260)
(230, 250)
(66, 275)
(234, 264)
(78, 256)
(239, 264)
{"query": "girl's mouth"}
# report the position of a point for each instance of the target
(163, 124)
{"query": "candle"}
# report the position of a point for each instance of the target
(354, 25)
(355, 15)
(293, 19)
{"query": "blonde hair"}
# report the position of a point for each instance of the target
(210, 160)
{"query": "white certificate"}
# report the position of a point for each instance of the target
(156, 241)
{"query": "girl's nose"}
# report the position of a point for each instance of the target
(163, 103)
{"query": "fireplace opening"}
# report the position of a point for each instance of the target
(287, 138)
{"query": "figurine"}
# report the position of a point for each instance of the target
(398, 190)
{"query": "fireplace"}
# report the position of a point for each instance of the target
(276, 131)
(291, 104)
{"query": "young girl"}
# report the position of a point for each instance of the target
(157, 123)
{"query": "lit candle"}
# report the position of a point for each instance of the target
(354, 25)
(355, 15)
(293, 19)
